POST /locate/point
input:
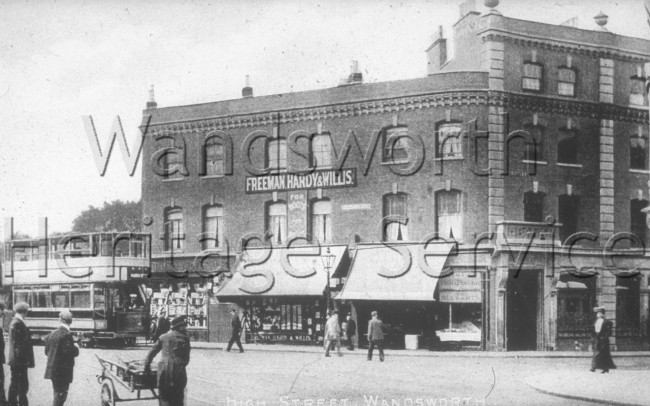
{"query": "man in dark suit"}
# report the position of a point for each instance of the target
(21, 356)
(350, 331)
(375, 336)
(235, 323)
(172, 377)
(61, 351)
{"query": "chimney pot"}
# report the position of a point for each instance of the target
(151, 104)
(247, 91)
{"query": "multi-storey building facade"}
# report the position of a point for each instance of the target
(511, 170)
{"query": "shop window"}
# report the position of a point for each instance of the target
(214, 157)
(534, 151)
(534, 206)
(638, 152)
(575, 300)
(174, 230)
(449, 140)
(277, 222)
(212, 227)
(568, 211)
(637, 91)
(277, 155)
(321, 220)
(397, 150)
(566, 82)
(567, 148)
(395, 217)
(532, 78)
(627, 303)
(449, 212)
(637, 218)
(322, 151)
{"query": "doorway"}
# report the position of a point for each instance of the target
(522, 310)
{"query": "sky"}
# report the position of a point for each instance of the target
(62, 60)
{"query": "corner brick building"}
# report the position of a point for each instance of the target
(482, 172)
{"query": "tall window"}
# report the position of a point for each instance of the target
(397, 149)
(638, 152)
(449, 211)
(532, 78)
(568, 209)
(214, 157)
(171, 161)
(627, 303)
(277, 222)
(449, 140)
(321, 220)
(637, 91)
(174, 230)
(212, 227)
(566, 82)
(575, 300)
(322, 151)
(395, 217)
(534, 151)
(277, 155)
(567, 148)
(637, 218)
(534, 206)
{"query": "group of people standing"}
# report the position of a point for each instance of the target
(333, 332)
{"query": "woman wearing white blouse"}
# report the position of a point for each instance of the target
(602, 358)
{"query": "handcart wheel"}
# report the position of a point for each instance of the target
(108, 393)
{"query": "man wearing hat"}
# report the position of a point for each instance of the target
(172, 377)
(235, 333)
(21, 356)
(602, 358)
(61, 351)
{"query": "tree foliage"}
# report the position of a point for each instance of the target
(116, 216)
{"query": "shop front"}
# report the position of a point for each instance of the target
(423, 298)
(282, 293)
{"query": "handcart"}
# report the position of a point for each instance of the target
(129, 374)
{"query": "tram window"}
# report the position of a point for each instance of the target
(107, 245)
(43, 300)
(61, 299)
(99, 299)
(80, 299)
(23, 297)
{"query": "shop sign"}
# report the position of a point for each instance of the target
(460, 287)
(297, 207)
(322, 179)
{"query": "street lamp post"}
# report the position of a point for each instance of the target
(328, 262)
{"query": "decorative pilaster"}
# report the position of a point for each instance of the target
(606, 180)
(606, 80)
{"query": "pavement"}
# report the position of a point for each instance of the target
(626, 386)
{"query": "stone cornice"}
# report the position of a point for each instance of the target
(566, 46)
(444, 99)
(569, 107)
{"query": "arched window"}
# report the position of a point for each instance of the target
(449, 213)
(277, 155)
(637, 218)
(397, 150)
(322, 151)
(212, 227)
(567, 147)
(566, 82)
(568, 210)
(532, 77)
(321, 220)
(276, 220)
(534, 151)
(534, 206)
(214, 157)
(174, 230)
(449, 140)
(638, 152)
(395, 217)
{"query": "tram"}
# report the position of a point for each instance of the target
(98, 277)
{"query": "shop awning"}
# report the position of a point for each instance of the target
(297, 271)
(395, 272)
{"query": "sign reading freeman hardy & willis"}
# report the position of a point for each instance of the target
(322, 179)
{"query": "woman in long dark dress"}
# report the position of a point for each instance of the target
(602, 358)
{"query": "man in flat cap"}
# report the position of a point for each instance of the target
(235, 332)
(21, 356)
(61, 351)
(172, 377)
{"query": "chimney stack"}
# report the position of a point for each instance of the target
(151, 104)
(355, 76)
(247, 91)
